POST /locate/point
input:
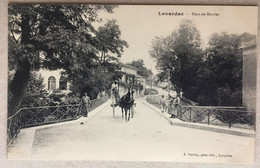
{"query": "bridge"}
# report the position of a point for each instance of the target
(148, 136)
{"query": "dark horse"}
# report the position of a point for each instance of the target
(126, 102)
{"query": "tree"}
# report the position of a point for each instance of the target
(247, 37)
(141, 69)
(223, 67)
(179, 55)
(105, 69)
(94, 81)
(35, 95)
(49, 36)
(109, 41)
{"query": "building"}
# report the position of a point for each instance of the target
(140, 79)
(128, 69)
(54, 80)
(249, 75)
(132, 72)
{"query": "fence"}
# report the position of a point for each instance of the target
(35, 116)
(216, 115)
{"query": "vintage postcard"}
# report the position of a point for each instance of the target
(149, 83)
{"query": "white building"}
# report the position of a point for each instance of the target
(54, 80)
(133, 71)
(129, 70)
(140, 79)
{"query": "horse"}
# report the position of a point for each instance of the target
(126, 102)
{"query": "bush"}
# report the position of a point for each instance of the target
(228, 98)
(35, 95)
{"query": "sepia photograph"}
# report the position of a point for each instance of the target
(143, 83)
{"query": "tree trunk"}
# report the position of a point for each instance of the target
(18, 85)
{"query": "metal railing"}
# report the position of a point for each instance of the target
(35, 116)
(228, 116)
(218, 115)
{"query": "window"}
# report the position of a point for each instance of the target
(52, 83)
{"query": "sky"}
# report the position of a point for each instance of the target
(140, 24)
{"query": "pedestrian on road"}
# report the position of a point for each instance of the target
(85, 104)
(115, 92)
(163, 104)
(141, 89)
(132, 99)
(168, 103)
(175, 105)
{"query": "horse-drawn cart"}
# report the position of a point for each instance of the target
(126, 103)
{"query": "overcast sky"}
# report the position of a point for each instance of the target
(139, 24)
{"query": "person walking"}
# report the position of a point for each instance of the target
(141, 90)
(175, 106)
(163, 104)
(85, 105)
(168, 104)
(114, 92)
(132, 99)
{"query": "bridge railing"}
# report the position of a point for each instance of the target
(218, 115)
(228, 116)
(35, 116)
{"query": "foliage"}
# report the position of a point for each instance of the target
(141, 69)
(179, 55)
(36, 95)
(100, 76)
(52, 37)
(108, 37)
(58, 35)
(247, 37)
(220, 76)
(95, 81)
(209, 77)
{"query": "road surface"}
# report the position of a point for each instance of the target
(146, 137)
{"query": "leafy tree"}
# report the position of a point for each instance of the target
(224, 66)
(220, 76)
(179, 55)
(109, 41)
(206, 86)
(35, 95)
(94, 81)
(141, 69)
(246, 37)
(105, 70)
(49, 36)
